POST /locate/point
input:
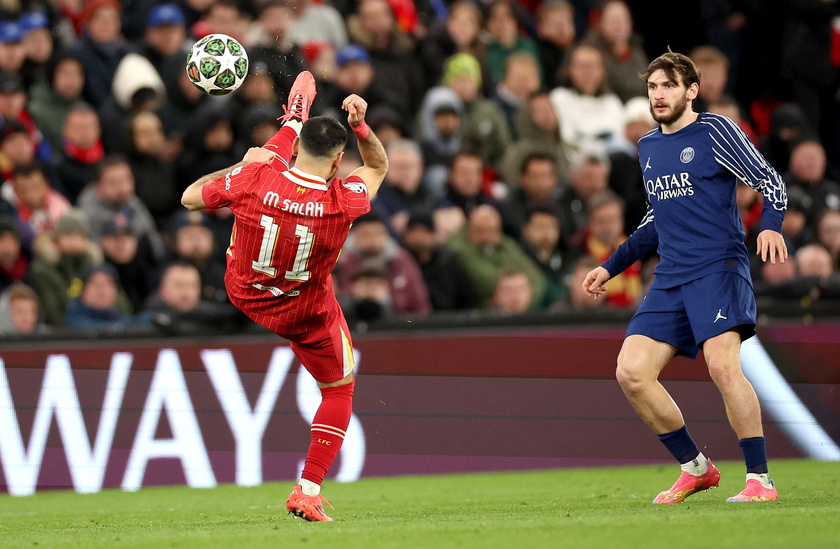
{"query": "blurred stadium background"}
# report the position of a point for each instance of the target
(126, 366)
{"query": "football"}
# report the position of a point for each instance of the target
(217, 64)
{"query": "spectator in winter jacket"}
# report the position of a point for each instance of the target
(131, 258)
(370, 244)
(12, 51)
(20, 311)
(191, 240)
(81, 149)
(52, 99)
(15, 258)
(113, 193)
(178, 306)
(38, 205)
(448, 285)
(101, 47)
(60, 262)
(483, 251)
(99, 306)
(13, 106)
(403, 192)
(603, 234)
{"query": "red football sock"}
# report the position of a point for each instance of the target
(281, 145)
(328, 429)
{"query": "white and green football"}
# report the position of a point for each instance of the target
(217, 64)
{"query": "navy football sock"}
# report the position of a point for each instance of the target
(755, 454)
(680, 444)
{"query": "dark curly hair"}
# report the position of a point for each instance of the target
(678, 67)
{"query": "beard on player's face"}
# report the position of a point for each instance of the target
(669, 116)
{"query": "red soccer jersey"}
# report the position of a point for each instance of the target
(289, 230)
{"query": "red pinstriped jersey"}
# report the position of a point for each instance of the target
(289, 230)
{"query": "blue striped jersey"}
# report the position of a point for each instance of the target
(692, 219)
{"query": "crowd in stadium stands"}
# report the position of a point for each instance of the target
(511, 128)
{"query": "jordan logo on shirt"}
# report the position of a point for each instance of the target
(647, 165)
(719, 316)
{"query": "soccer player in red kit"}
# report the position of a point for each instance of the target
(291, 223)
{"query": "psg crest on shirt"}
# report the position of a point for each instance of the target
(687, 155)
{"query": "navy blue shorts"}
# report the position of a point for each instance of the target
(688, 315)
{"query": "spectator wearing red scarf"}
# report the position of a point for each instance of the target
(14, 257)
(81, 149)
(13, 98)
(38, 205)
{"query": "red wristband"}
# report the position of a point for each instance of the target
(361, 131)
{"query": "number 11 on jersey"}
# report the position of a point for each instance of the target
(305, 240)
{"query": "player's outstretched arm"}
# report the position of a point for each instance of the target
(594, 282)
(773, 244)
(370, 148)
(192, 198)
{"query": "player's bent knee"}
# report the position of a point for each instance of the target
(724, 373)
(629, 380)
(343, 381)
(339, 392)
(633, 376)
(724, 367)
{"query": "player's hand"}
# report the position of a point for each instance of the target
(773, 244)
(259, 154)
(594, 282)
(356, 108)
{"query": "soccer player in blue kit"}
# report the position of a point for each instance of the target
(701, 295)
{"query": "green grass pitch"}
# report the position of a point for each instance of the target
(576, 508)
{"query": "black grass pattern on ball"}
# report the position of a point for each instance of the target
(241, 67)
(209, 67)
(215, 47)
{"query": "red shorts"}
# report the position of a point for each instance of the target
(327, 350)
(319, 338)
